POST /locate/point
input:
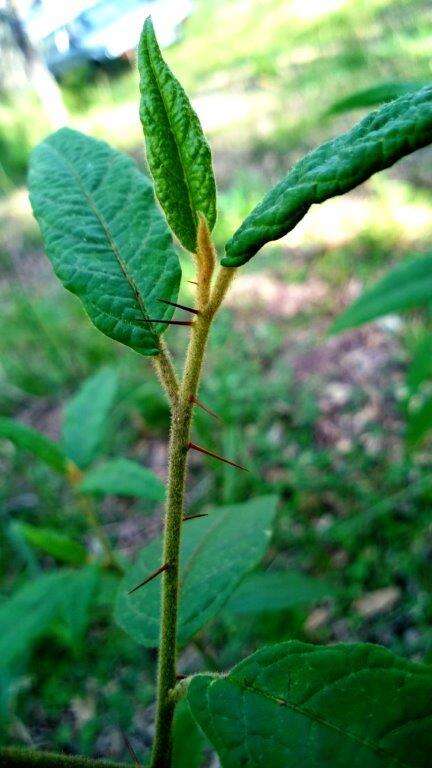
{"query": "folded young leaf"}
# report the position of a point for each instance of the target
(177, 151)
(406, 286)
(85, 418)
(296, 704)
(123, 477)
(337, 166)
(217, 551)
(35, 442)
(105, 236)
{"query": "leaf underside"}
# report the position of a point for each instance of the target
(296, 704)
(105, 236)
(217, 551)
(178, 154)
(337, 166)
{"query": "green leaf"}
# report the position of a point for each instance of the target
(105, 236)
(337, 166)
(86, 416)
(62, 598)
(53, 543)
(188, 739)
(217, 551)
(374, 96)
(177, 152)
(277, 591)
(31, 440)
(295, 704)
(406, 286)
(124, 478)
(419, 423)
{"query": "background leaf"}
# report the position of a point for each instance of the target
(53, 543)
(216, 552)
(277, 591)
(105, 236)
(337, 166)
(177, 152)
(124, 477)
(406, 286)
(296, 704)
(31, 440)
(85, 417)
(373, 96)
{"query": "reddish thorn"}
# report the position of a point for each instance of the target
(130, 749)
(181, 677)
(194, 517)
(215, 456)
(150, 577)
(180, 306)
(192, 282)
(167, 322)
(200, 404)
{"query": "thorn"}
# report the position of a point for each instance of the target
(180, 306)
(130, 749)
(200, 404)
(150, 577)
(192, 282)
(167, 322)
(194, 517)
(181, 677)
(281, 702)
(215, 456)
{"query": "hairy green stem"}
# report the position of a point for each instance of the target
(15, 757)
(180, 431)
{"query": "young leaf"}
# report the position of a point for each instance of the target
(123, 478)
(277, 591)
(105, 236)
(53, 543)
(35, 442)
(337, 166)
(85, 418)
(177, 152)
(217, 551)
(406, 286)
(296, 704)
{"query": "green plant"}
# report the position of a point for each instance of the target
(288, 704)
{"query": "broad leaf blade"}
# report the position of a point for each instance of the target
(217, 551)
(277, 591)
(337, 166)
(53, 543)
(85, 418)
(35, 442)
(105, 236)
(296, 704)
(406, 286)
(177, 152)
(123, 477)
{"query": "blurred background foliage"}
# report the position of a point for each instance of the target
(323, 420)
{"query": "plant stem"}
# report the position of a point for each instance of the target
(166, 373)
(15, 757)
(180, 431)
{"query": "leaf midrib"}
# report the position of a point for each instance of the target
(110, 240)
